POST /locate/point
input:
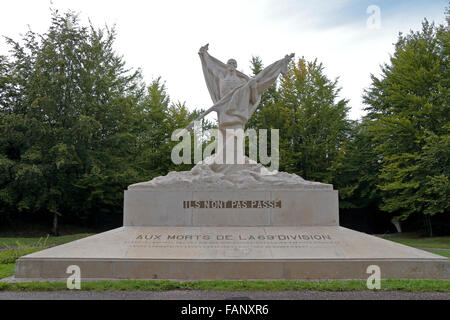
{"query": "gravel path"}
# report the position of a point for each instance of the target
(220, 295)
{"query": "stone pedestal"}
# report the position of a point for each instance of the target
(232, 222)
(235, 253)
(229, 208)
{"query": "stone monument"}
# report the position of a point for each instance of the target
(232, 221)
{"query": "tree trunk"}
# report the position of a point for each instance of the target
(429, 226)
(55, 230)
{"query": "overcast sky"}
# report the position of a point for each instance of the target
(163, 37)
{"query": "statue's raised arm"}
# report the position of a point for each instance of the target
(235, 95)
(213, 70)
(267, 77)
(216, 71)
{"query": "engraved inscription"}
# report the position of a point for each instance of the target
(232, 204)
(240, 237)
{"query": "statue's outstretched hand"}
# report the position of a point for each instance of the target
(289, 56)
(204, 49)
(287, 59)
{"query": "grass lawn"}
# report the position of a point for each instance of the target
(6, 270)
(415, 240)
(12, 249)
(441, 253)
(11, 255)
(48, 241)
(289, 285)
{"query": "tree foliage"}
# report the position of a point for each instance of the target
(77, 127)
(311, 118)
(355, 170)
(408, 115)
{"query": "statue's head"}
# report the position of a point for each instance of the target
(232, 64)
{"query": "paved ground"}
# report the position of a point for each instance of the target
(220, 295)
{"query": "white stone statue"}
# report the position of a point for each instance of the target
(235, 95)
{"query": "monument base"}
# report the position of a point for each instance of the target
(233, 253)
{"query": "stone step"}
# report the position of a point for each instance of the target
(235, 253)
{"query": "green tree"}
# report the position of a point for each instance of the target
(408, 110)
(68, 108)
(355, 170)
(313, 123)
(311, 119)
(267, 112)
(159, 119)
